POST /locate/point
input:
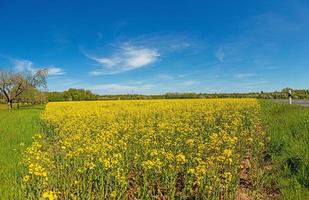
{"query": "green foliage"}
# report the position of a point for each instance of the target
(288, 150)
(297, 94)
(16, 130)
(86, 95)
(32, 96)
(79, 95)
(72, 95)
(55, 96)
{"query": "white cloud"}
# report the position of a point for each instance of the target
(137, 58)
(125, 58)
(108, 62)
(220, 54)
(23, 66)
(53, 71)
(28, 67)
(135, 53)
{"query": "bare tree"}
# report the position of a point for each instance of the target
(12, 85)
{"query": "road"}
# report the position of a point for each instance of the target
(297, 102)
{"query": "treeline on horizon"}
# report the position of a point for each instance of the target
(35, 97)
(86, 95)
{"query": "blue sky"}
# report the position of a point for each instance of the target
(153, 47)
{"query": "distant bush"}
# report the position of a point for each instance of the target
(72, 95)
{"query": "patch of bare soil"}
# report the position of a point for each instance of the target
(132, 192)
(245, 183)
(245, 189)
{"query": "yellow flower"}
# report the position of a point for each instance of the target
(181, 158)
(228, 176)
(190, 142)
(114, 195)
(116, 143)
(227, 153)
(191, 171)
(50, 195)
(73, 196)
(26, 178)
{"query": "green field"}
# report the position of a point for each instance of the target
(16, 130)
(288, 149)
(286, 157)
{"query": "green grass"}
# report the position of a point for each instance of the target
(288, 149)
(16, 127)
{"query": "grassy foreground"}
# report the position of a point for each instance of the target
(288, 149)
(16, 130)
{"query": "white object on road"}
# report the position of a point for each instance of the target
(290, 97)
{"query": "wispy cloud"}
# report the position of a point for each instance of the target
(28, 67)
(23, 66)
(189, 83)
(61, 83)
(122, 88)
(125, 58)
(53, 71)
(164, 77)
(135, 53)
(168, 43)
(244, 75)
(254, 84)
(279, 23)
(220, 54)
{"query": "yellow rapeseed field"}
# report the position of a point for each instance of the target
(146, 149)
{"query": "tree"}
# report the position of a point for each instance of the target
(13, 85)
(72, 94)
(33, 96)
